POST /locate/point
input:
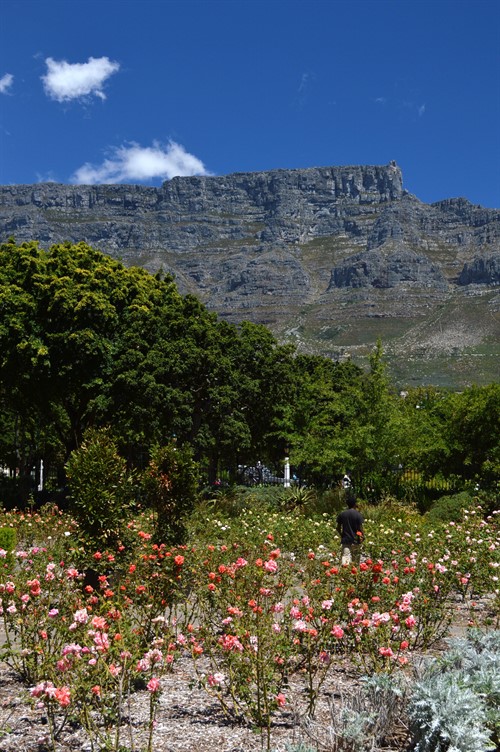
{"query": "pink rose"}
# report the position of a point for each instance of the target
(63, 696)
(271, 566)
(153, 684)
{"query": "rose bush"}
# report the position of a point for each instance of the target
(252, 601)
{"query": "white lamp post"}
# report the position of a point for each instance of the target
(40, 483)
(286, 480)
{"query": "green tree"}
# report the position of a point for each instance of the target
(345, 420)
(59, 311)
(424, 420)
(378, 433)
(474, 435)
(454, 434)
(261, 378)
(146, 394)
(322, 417)
(71, 322)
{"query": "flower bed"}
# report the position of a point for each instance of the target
(253, 618)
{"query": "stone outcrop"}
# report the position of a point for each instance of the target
(384, 270)
(483, 270)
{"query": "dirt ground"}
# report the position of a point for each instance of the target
(188, 720)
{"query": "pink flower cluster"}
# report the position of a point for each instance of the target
(45, 690)
(230, 642)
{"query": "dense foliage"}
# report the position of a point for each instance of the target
(86, 342)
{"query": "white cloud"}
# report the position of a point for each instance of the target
(6, 82)
(421, 110)
(132, 163)
(304, 81)
(305, 88)
(65, 81)
(48, 177)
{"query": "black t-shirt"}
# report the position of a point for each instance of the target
(351, 522)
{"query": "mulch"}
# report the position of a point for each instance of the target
(188, 719)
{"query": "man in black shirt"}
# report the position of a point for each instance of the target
(350, 527)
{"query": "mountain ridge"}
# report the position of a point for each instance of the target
(331, 258)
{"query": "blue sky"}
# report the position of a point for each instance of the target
(138, 91)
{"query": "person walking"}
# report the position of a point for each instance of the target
(350, 527)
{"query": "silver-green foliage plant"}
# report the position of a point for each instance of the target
(448, 717)
(477, 661)
(455, 704)
(387, 695)
(364, 718)
(453, 707)
(349, 727)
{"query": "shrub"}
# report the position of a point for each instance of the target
(100, 487)
(476, 661)
(368, 717)
(390, 509)
(8, 541)
(265, 496)
(448, 716)
(232, 502)
(330, 502)
(489, 500)
(453, 707)
(455, 703)
(449, 508)
(169, 486)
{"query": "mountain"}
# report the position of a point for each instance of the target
(330, 258)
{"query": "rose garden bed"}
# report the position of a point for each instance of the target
(239, 644)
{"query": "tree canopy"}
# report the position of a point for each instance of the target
(86, 342)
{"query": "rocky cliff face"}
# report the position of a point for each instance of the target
(307, 252)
